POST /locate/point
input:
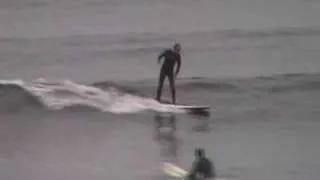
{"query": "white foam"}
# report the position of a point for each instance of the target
(61, 94)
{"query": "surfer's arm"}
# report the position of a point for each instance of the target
(178, 65)
(192, 172)
(193, 168)
(161, 56)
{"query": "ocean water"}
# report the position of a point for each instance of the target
(78, 80)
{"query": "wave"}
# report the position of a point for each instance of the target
(287, 82)
(277, 32)
(14, 97)
(271, 84)
(132, 97)
(17, 95)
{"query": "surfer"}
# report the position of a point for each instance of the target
(202, 167)
(171, 57)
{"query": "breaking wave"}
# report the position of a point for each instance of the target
(17, 95)
(113, 97)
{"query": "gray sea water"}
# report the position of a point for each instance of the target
(77, 81)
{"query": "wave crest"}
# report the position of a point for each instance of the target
(69, 95)
(13, 97)
(133, 97)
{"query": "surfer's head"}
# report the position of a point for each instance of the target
(177, 47)
(199, 152)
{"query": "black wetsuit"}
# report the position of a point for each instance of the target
(203, 167)
(167, 70)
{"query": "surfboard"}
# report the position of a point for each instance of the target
(175, 171)
(191, 109)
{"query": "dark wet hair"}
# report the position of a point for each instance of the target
(177, 46)
(199, 152)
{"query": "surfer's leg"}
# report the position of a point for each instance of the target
(160, 84)
(173, 89)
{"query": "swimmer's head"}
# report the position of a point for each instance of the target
(177, 47)
(199, 152)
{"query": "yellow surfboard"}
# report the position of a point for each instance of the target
(174, 170)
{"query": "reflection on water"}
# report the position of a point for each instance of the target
(165, 135)
(201, 124)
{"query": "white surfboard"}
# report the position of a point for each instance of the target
(189, 106)
(192, 109)
(174, 170)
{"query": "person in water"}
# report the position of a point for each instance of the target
(202, 167)
(171, 58)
